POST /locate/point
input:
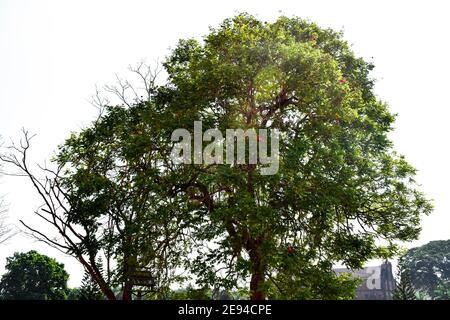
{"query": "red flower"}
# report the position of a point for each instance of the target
(290, 249)
(342, 81)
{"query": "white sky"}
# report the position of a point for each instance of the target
(53, 53)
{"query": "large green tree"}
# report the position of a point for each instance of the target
(429, 268)
(340, 186)
(33, 276)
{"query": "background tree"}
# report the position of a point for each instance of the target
(429, 267)
(191, 293)
(74, 294)
(89, 289)
(33, 276)
(340, 187)
(404, 289)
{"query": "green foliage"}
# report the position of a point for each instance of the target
(113, 185)
(422, 296)
(74, 294)
(429, 267)
(442, 291)
(313, 284)
(340, 186)
(89, 289)
(297, 279)
(191, 293)
(33, 276)
(204, 293)
(404, 289)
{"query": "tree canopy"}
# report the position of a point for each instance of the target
(340, 186)
(33, 276)
(428, 267)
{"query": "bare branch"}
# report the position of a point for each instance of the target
(128, 92)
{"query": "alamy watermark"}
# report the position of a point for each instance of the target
(184, 153)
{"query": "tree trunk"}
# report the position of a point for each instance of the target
(127, 290)
(106, 290)
(129, 265)
(255, 287)
(258, 272)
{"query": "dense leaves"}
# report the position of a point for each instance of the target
(32, 276)
(404, 289)
(89, 289)
(112, 180)
(429, 268)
